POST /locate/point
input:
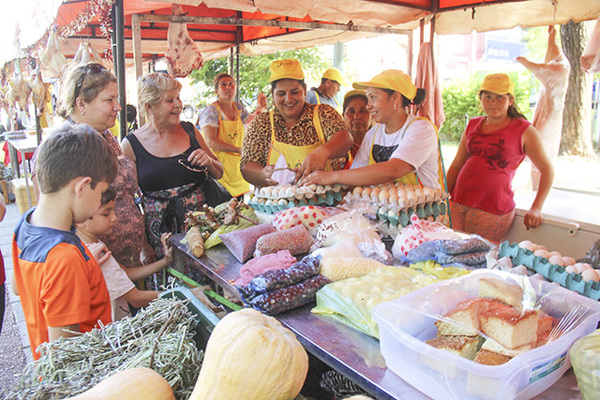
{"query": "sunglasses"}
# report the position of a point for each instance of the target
(94, 68)
(191, 167)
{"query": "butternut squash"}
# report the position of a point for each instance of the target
(132, 384)
(251, 356)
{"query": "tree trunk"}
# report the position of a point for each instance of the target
(576, 130)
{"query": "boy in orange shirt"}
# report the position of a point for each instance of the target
(60, 283)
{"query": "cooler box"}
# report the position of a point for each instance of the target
(407, 322)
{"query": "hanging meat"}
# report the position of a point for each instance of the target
(553, 74)
(19, 91)
(85, 54)
(52, 58)
(38, 92)
(183, 56)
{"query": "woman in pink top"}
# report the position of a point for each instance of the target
(490, 150)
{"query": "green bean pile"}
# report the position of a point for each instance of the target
(159, 337)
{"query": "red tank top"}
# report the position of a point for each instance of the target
(484, 181)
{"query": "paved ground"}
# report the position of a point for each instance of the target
(14, 345)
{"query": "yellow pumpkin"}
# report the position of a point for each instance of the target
(134, 383)
(251, 356)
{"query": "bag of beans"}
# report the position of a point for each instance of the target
(243, 243)
(297, 240)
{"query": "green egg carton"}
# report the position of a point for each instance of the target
(555, 273)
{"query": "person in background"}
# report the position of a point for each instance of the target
(400, 147)
(57, 277)
(89, 96)
(118, 279)
(331, 81)
(358, 119)
(307, 136)
(172, 159)
(490, 150)
(222, 124)
(2, 271)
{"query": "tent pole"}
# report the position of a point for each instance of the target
(137, 54)
(238, 39)
(119, 57)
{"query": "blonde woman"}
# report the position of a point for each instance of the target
(172, 159)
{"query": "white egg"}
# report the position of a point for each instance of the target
(556, 260)
(590, 275)
(412, 197)
(537, 247)
(580, 267)
(555, 253)
(526, 244)
(571, 269)
(541, 253)
(357, 191)
(568, 261)
(384, 196)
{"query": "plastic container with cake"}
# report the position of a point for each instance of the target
(440, 366)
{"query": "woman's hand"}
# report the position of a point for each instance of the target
(200, 158)
(315, 161)
(267, 174)
(533, 218)
(261, 102)
(100, 252)
(319, 178)
(168, 249)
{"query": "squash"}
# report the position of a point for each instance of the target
(134, 383)
(251, 356)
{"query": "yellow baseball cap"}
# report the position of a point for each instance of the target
(497, 83)
(289, 68)
(355, 92)
(393, 79)
(334, 74)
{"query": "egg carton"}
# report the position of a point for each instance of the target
(555, 273)
(396, 196)
(270, 206)
(397, 216)
(291, 192)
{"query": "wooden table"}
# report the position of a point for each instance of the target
(348, 351)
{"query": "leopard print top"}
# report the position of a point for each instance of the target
(257, 140)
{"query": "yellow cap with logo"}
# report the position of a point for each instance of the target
(497, 83)
(393, 79)
(288, 68)
(334, 74)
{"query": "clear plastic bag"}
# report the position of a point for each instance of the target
(590, 59)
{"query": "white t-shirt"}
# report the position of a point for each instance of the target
(118, 283)
(415, 143)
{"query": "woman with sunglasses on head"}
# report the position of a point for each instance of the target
(173, 160)
(89, 96)
(400, 147)
(490, 150)
(223, 128)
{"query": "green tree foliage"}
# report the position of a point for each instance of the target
(461, 102)
(254, 73)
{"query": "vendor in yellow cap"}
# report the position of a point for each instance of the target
(400, 147)
(308, 136)
(331, 81)
(358, 119)
(490, 151)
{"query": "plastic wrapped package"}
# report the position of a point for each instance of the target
(353, 226)
(297, 240)
(351, 301)
(280, 260)
(338, 268)
(309, 216)
(585, 358)
(347, 248)
(419, 231)
(243, 243)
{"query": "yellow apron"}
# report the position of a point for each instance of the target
(231, 132)
(412, 178)
(295, 155)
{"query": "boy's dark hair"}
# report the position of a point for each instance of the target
(109, 195)
(73, 151)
